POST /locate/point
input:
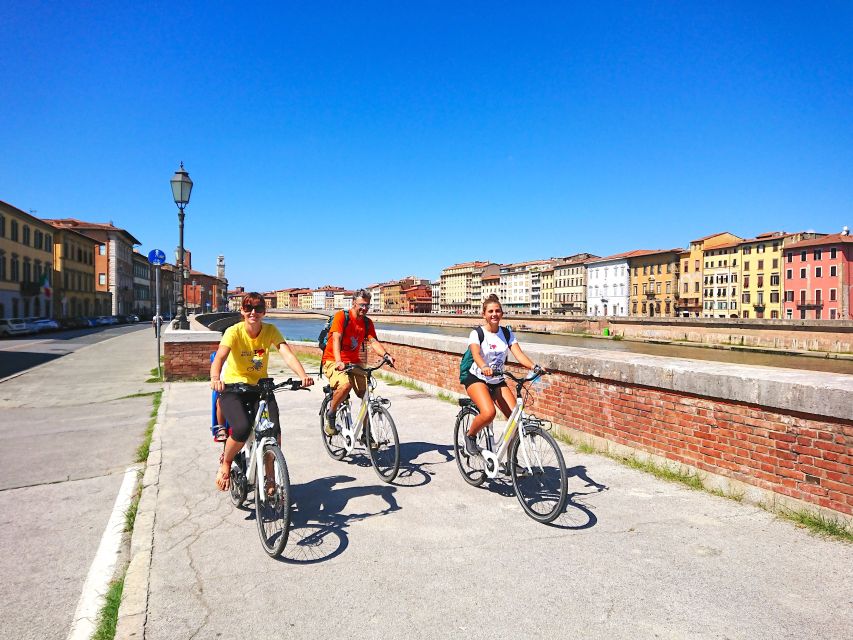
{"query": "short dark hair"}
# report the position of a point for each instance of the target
(253, 299)
(364, 294)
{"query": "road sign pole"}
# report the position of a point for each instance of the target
(157, 317)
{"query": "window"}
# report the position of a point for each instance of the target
(832, 315)
(789, 274)
(832, 294)
(760, 281)
(747, 251)
(761, 248)
(102, 249)
(2, 226)
(833, 271)
(832, 253)
(746, 281)
(668, 288)
(746, 314)
(696, 287)
(645, 269)
(696, 265)
(774, 297)
(16, 266)
(774, 315)
(775, 263)
(745, 298)
(659, 270)
(818, 254)
(14, 230)
(25, 237)
(686, 262)
(2, 265)
(746, 266)
(774, 279)
(761, 265)
(687, 287)
(790, 257)
(818, 272)
(802, 256)
(789, 296)
(102, 278)
(802, 273)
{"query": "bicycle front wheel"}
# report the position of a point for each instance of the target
(383, 445)
(471, 467)
(335, 445)
(272, 501)
(539, 478)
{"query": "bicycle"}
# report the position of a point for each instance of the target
(535, 462)
(266, 470)
(383, 445)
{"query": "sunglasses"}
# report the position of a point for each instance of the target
(257, 308)
(363, 306)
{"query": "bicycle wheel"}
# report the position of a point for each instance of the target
(273, 513)
(335, 445)
(239, 487)
(471, 467)
(383, 445)
(542, 488)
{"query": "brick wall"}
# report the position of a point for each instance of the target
(187, 360)
(801, 456)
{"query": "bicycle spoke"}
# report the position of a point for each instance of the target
(272, 501)
(383, 444)
(539, 477)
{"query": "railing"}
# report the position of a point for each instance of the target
(809, 304)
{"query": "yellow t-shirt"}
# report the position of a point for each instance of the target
(249, 356)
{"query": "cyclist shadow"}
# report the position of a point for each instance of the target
(418, 474)
(577, 515)
(317, 522)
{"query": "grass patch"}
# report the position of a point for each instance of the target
(689, 479)
(737, 496)
(616, 337)
(130, 514)
(108, 617)
(446, 397)
(145, 447)
(395, 382)
(819, 524)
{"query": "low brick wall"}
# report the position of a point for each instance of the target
(773, 433)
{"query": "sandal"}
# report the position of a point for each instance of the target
(270, 487)
(223, 480)
(221, 434)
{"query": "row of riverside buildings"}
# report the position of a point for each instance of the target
(64, 268)
(775, 275)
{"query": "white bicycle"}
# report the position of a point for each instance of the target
(260, 465)
(373, 427)
(535, 462)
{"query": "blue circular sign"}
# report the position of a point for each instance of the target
(156, 257)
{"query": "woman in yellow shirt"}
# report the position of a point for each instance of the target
(246, 346)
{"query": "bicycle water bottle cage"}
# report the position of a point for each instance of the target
(266, 384)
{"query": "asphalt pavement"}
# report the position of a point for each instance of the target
(431, 557)
(69, 430)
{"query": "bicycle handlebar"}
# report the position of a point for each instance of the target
(351, 366)
(535, 372)
(291, 384)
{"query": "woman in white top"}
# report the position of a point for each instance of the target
(483, 387)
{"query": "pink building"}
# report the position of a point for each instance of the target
(819, 278)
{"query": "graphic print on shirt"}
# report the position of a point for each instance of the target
(257, 359)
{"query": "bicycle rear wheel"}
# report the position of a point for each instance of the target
(541, 487)
(335, 445)
(383, 445)
(272, 501)
(471, 467)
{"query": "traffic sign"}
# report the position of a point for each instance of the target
(156, 257)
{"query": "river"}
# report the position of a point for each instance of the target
(307, 329)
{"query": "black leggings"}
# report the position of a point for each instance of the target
(239, 410)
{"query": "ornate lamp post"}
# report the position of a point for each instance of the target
(182, 186)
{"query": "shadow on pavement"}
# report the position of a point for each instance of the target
(413, 474)
(318, 524)
(17, 361)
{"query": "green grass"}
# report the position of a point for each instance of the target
(144, 448)
(690, 479)
(446, 397)
(394, 382)
(616, 337)
(819, 524)
(130, 514)
(108, 617)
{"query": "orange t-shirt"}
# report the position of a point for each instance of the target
(352, 338)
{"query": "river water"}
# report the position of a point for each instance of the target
(307, 329)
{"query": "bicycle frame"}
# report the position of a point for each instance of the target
(517, 422)
(350, 429)
(254, 465)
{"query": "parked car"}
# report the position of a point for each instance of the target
(13, 327)
(45, 324)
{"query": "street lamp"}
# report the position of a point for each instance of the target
(182, 186)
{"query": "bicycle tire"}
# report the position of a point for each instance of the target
(239, 487)
(542, 493)
(335, 445)
(471, 467)
(273, 515)
(385, 456)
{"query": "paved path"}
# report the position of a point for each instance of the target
(431, 557)
(68, 431)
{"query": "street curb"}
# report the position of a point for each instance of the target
(132, 613)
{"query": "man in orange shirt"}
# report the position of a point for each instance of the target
(345, 339)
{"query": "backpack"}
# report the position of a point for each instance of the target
(323, 338)
(468, 359)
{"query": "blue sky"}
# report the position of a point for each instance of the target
(349, 143)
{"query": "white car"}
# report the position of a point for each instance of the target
(13, 327)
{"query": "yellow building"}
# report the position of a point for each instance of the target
(74, 274)
(26, 264)
(570, 285)
(721, 267)
(693, 282)
(458, 285)
(654, 282)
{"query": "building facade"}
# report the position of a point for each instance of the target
(458, 285)
(819, 278)
(570, 285)
(654, 282)
(607, 285)
(74, 276)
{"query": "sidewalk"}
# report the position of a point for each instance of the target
(431, 557)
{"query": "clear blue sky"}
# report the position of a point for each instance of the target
(349, 143)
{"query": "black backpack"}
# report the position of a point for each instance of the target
(468, 359)
(323, 338)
